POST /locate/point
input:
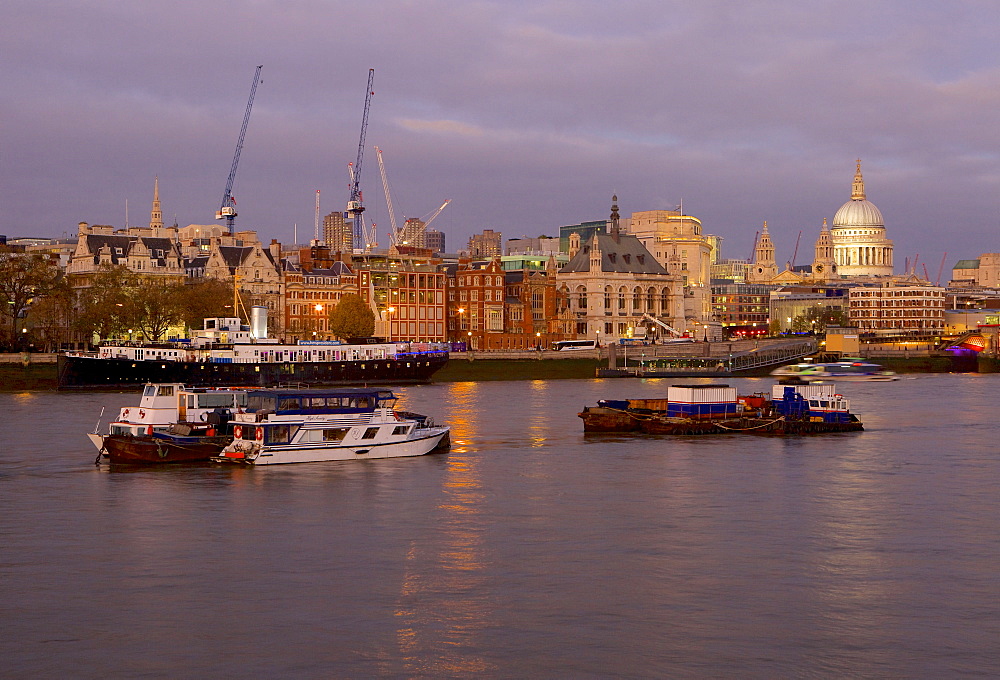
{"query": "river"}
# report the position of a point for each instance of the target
(528, 550)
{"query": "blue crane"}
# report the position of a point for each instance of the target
(355, 206)
(228, 209)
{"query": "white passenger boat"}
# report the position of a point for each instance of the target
(313, 425)
(843, 370)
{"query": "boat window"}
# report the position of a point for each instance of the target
(363, 402)
(316, 402)
(813, 402)
(259, 403)
(277, 434)
(222, 400)
(401, 429)
(166, 390)
(150, 391)
(370, 433)
(288, 404)
(335, 435)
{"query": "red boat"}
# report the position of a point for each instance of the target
(180, 444)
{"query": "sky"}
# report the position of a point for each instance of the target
(528, 115)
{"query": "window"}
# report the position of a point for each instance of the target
(335, 435)
(370, 433)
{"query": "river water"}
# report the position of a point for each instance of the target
(528, 550)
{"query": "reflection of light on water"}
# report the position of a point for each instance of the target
(447, 566)
(538, 413)
(463, 414)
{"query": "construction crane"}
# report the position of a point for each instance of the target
(394, 234)
(355, 205)
(434, 214)
(228, 209)
(316, 223)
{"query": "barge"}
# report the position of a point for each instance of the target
(717, 409)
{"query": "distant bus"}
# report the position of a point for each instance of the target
(568, 345)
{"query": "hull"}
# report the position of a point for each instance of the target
(601, 419)
(437, 438)
(758, 426)
(680, 426)
(145, 450)
(780, 426)
(90, 373)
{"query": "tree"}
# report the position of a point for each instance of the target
(352, 318)
(817, 318)
(206, 299)
(51, 316)
(156, 307)
(23, 278)
(106, 306)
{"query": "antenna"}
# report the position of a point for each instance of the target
(316, 225)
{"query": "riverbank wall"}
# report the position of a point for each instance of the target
(38, 371)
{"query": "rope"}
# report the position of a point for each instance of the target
(755, 427)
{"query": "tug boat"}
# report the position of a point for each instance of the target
(717, 409)
(313, 425)
(173, 423)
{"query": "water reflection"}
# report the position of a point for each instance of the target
(443, 604)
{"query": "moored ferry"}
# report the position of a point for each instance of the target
(228, 353)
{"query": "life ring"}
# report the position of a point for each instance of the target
(259, 434)
(204, 417)
(238, 432)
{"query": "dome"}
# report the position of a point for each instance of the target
(858, 213)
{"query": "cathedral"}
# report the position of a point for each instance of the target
(856, 246)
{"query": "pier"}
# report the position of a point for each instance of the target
(704, 359)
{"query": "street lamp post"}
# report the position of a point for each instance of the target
(390, 311)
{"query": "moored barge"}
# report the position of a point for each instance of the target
(717, 409)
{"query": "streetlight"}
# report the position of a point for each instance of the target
(538, 341)
(391, 311)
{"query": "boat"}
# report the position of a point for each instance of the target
(844, 370)
(228, 353)
(717, 409)
(172, 423)
(324, 424)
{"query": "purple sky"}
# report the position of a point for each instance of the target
(528, 115)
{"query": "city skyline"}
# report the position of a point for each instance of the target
(528, 115)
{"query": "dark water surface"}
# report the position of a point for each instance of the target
(529, 550)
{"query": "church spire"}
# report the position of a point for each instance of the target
(155, 216)
(614, 216)
(858, 188)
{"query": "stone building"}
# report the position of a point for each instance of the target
(612, 280)
(860, 246)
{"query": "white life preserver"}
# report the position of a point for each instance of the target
(238, 432)
(260, 434)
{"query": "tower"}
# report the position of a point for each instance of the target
(764, 268)
(824, 267)
(155, 215)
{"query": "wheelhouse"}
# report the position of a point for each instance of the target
(315, 401)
